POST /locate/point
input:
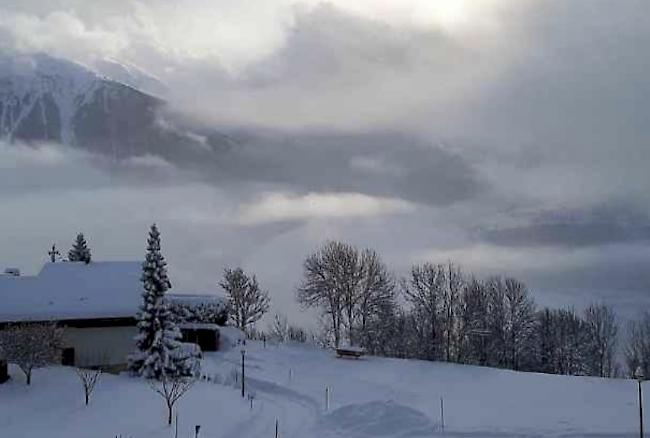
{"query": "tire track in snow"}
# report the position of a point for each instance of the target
(296, 415)
(306, 404)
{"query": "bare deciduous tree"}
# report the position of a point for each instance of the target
(321, 285)
(637, 350)
(473, 327)
(171, 389)
(248, 303)
(349, 286)
(520, 323)
(601, 332)
(453, 287)
(89, 378)
(31, 345)
(376, 298)
(424, 291)
(279, 329)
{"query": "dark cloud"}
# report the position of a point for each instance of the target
(376, 163)
(568, 234)
(603, 224)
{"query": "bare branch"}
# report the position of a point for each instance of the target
(171, 389)
(31, 345)
(89, 378)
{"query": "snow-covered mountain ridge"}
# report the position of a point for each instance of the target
(131, 75)
(43, 98)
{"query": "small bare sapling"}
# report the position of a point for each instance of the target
(89, 378)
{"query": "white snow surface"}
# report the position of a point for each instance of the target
(131, 75)
(197, 299)
(26, 79)
(351, 348)
(230, 337)
(75, 290)
(370, 397)
(198, 326)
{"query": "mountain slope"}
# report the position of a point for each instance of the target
(43, 98)
(130, 75)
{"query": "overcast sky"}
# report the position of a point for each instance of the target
(509, 136)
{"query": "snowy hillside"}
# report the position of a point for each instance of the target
(371, 397)
(43, 98)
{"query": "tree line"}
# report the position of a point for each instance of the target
(437, 312)
(440, 313)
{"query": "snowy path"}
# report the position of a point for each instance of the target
(296, 412)
(372, 397)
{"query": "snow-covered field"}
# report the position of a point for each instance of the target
(371, 397)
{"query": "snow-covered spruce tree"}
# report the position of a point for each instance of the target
(79, 251)
(159, 354)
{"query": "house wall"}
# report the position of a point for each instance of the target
(107, 346)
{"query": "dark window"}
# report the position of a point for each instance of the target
(67, 357)
(208, 340)
(4, 373)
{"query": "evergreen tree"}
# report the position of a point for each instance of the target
(159, 353)
(80, 251)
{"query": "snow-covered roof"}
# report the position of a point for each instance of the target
(197, 299)
(198, 326)
(68, 290)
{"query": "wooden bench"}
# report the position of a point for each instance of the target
(349, 352)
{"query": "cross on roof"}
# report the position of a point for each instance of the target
(53, 253)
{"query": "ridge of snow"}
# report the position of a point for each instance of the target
(26, 80)
(197, 299)
(130, 75)
(29, 80)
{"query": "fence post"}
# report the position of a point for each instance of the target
(327, 398)
(442, 414)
